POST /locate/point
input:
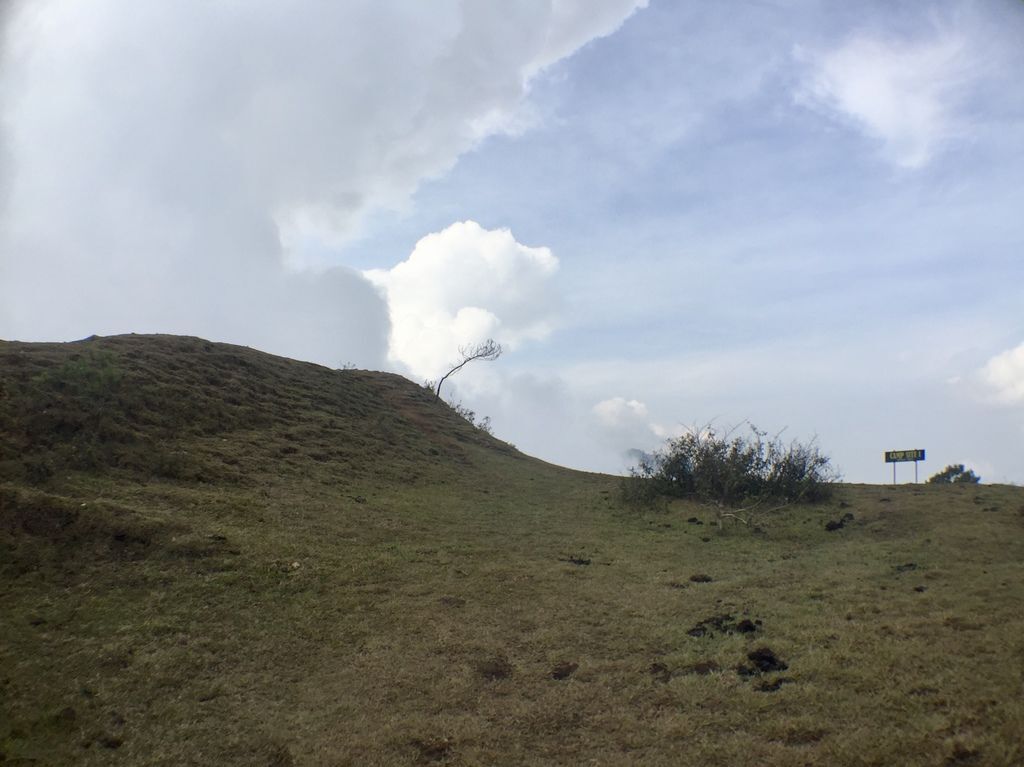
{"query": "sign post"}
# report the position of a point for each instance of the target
(900, 456)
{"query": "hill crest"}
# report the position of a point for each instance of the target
(183, 408)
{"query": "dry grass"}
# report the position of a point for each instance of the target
(410, 597)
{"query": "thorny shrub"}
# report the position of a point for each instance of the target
(733, 471)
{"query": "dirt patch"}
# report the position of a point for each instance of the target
(839, 524)
(906, 568)
(110, 741)
(659, 672)
(803, 736)
(116, 660)
(449, 601)
(701, 668)
(762, 661)
(564, 670)
(773, 685)
(432, 749)
(67, 714)
(725, 623)
(104, 740)
(574, 559)
(962, 754)
(494, 668)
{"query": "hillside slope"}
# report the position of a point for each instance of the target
(184, 408)
(210, 555)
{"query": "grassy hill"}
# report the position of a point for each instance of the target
(210, 555)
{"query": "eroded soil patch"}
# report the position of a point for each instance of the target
(432, 749)
(762, 661)
(725, 623)
(701, 668)
(773, 685)
(494, 668)
(564, 670)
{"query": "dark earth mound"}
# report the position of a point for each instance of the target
(725, 623)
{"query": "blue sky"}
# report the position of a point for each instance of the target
(802, 214)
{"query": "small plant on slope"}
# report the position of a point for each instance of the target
(483, 424)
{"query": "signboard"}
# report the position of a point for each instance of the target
(895, 456)
(899, 456)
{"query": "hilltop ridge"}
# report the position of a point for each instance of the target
(188, 409)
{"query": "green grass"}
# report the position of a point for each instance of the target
(262, 562)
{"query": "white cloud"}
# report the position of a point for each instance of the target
(574, 22)
(461, 286)
(625, 425)
(904, 94)
(167, 163)
(618, 411)
(1004, 375)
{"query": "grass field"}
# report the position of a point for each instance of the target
(212, 556)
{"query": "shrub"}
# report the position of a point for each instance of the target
(954, 474)
(94, 378)
(639, 492)
(483, 424)
(733, 471)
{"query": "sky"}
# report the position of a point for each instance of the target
(799, 214)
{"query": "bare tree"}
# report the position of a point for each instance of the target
(488, 350)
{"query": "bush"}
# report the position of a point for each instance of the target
(735, 471)
(954, 474)
(95, 378)
(483, 424)
(639, 492)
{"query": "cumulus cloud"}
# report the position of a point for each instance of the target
(619, 411)
(462, 285)
(625, 425)
(905, 94)
(1004, 376)
(172, 167)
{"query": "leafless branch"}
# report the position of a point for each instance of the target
(488, 351)
(747, 514)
